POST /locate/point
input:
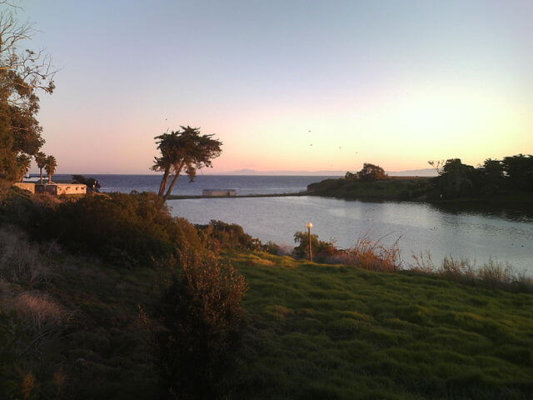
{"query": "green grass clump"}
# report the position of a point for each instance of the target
(323, 331)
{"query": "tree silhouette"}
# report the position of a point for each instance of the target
(23, 73)
(371, 172)
(50, 167)
(185, 150)
(40, 160)
(519, 171)
(457, 179)
(23, 163)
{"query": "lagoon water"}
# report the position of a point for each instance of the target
(419, 228)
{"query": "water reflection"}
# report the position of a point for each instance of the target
(474, 234)
(518, 212)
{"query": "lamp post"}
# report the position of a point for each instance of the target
(309, 225)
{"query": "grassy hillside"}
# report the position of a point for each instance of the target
(313, 331)
(322, 331)
(70, 326)
(118, 300)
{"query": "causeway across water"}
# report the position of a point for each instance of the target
(239, 196)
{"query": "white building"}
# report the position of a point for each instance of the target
(219, 193)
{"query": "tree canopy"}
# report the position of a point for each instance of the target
(369, 172)
(23, 73)
(184, 150)
(50, 167)
(459, 180)
(40, 160)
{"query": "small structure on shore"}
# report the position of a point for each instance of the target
(219, 193)
(53, 188)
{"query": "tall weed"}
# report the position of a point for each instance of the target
(492, 274)
(39, 311)
(371, 255)
(20, 260)
(200, 316)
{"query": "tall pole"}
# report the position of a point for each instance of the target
(309, 226)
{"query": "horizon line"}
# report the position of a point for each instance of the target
(251, 172)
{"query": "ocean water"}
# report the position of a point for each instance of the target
(243, 184)
(417, 228)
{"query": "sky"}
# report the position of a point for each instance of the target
(286, 85)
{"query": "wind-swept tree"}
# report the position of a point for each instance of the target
(50, 167)
(40, 160)
(371, 172)
(185, 150)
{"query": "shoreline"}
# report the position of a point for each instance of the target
(239, 196)
(494, 201)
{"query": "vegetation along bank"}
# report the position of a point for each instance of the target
(506, 181)
(108, 296)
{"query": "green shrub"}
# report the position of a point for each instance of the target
(273, 248)
(321, 250)
(200, 317)
(19, 207)
(123, 229)
(221, 235)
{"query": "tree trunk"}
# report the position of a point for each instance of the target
(174, 180)
(163, 183)
(41, 175)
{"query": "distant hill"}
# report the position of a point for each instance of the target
(296, 173)
(412, 172)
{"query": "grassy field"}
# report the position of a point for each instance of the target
(72, 327)
(330, 332)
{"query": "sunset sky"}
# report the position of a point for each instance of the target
(287, 85)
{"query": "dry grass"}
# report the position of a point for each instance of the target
(371, 255)
(39, 310)
(375, 256)
(493, 274)
(20, 260)
(28, 385)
